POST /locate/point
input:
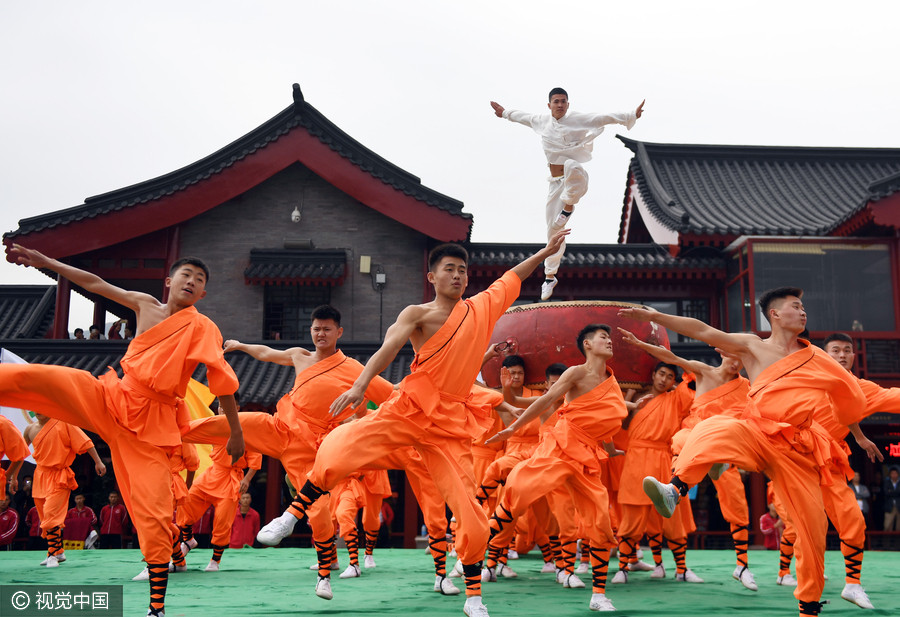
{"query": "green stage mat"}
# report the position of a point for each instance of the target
(278, 582)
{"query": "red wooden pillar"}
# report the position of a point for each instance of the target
(273, 489)
(410, 515)
(100, 316)
(758, 504)
(61, 311)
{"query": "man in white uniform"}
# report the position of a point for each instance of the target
(568, 140)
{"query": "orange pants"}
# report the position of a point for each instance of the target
(270, 436)
(142, 469)
(197, 502)
(794, 477)
(434, 510)
(52, 509)
(843, 510)
(448, 460)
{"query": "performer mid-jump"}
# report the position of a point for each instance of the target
(568, 139)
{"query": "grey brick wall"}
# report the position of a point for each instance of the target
(261, 218)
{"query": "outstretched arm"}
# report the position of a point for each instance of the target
(235, 444)
(498, 109)
(394, 340)
(866, 444)
(86, 280)
(99, 467)
(664, 355)
(263, 353)
(525, 268)
(555, 392)
(737, 344)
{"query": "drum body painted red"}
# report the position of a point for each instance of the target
(545, 333)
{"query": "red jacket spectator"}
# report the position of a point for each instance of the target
(34, 522)
(9, 523)
(244, 529)
(113, 520)
(771, 526)
(79, 521)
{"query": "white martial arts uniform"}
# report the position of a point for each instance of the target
(568, 141)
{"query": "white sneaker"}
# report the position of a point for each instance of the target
(658, 572)
(59, 559)
(716, 471)
(174, 568)
(854, 592)
(599, 602)
(512, 554)
(787, 580)
(351, 572)
(549, 566)
(745, 576)
(474, 607)
(452, 552)
(457, 571)
(143, 575)
(569, 581)
(368, 561)
(505, 571)
(187, 547)
(640, 566)
(583, 568)
(52, 561)
(150, 613)
(323, 588)
(688, 577)
(547, 288)
(277, 530)
(334, 566)
(639, 553)
(91, 541)
(664, 496)
(212, 566)
(620, 578)
(489, 575)
(445, 586)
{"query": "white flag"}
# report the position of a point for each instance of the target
(20, 417)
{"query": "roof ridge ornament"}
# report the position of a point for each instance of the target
(298, 97)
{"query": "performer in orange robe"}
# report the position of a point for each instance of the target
(657, 417)
(221, 485)
(429, 411)
(55, 446)
(569, 455)
(775, 433)
(301, 420)
(141, 415)
(13, 447)
(719, 390)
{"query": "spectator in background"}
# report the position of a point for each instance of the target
(113, 522)
(78, 334)
(892, 500)
(772, 527)
(9, 524)
(80, 522)
(96, 333)
(862, 495)
(35, 538)
(876, 490)
(246, 524)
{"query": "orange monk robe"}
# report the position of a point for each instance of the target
(569, 455)
(140, 416)
(483, 455)
(728, 398)
(429, 413)
(300, 423)
(776, 435)
(55, 448)
(649, 435)
(840, 500)
(183, 459)
(13, 447)
(376, 488)
(219, 486)
(611, 475)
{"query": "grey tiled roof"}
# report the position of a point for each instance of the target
(758, 190)
(602, 256)
(328, 267)
(261, 383)
(26, 311)
(300, 115)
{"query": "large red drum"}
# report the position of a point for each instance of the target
(545, 333)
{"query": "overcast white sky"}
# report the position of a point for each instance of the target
(100, 95)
